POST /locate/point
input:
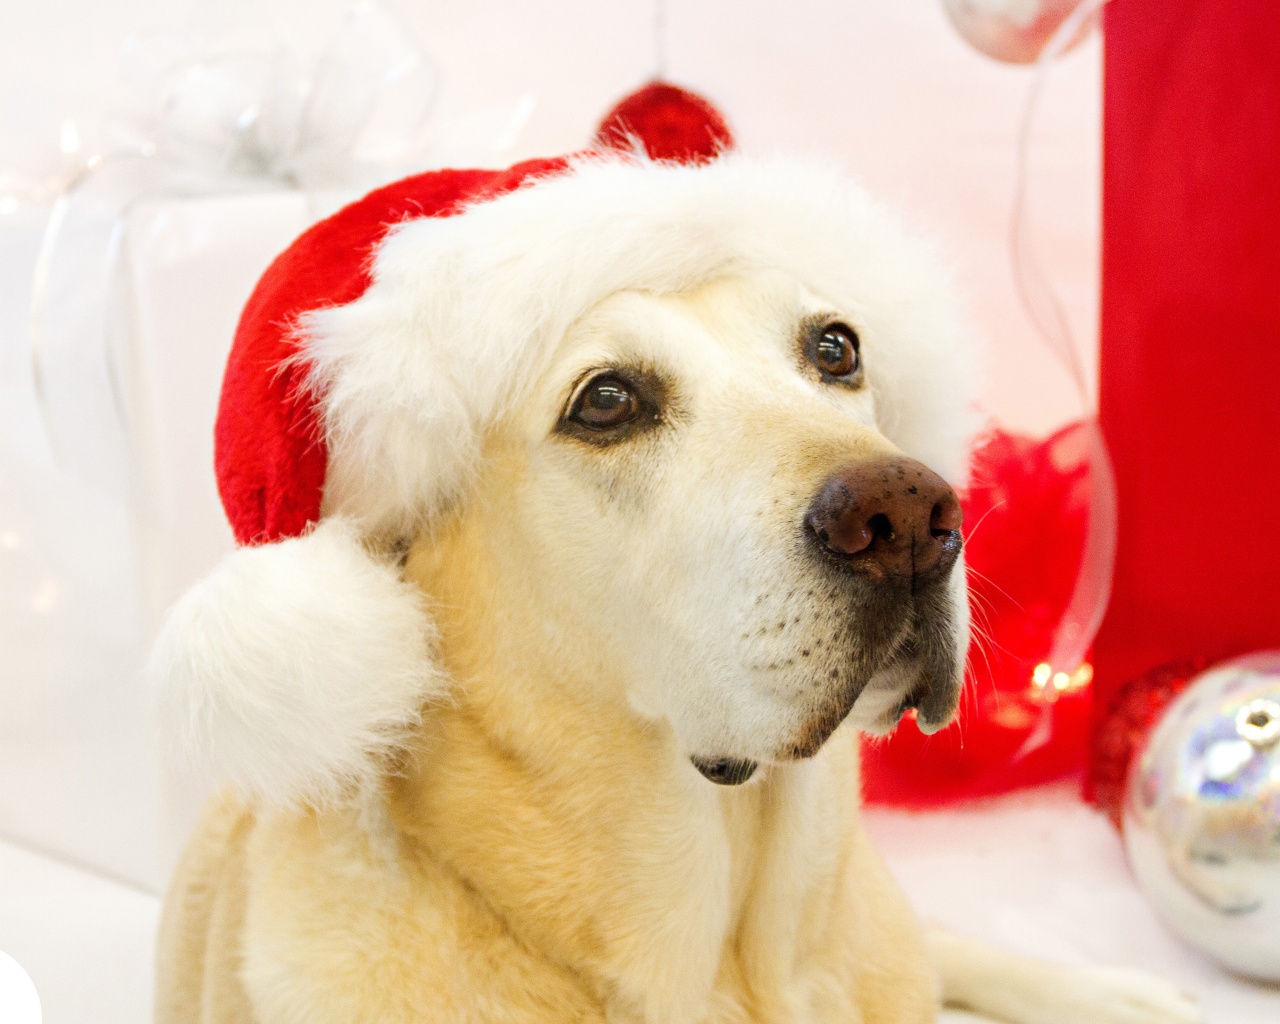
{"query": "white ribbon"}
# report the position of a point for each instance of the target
(1092, 589)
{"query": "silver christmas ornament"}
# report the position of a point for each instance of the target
(1202, 815)
(1014, 31)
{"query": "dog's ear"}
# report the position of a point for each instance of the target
(295, 670)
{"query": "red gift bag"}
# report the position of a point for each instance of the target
(1190, 367)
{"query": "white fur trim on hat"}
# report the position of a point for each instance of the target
(465, 311)
(295, 669)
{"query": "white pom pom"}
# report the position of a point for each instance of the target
(296, 668)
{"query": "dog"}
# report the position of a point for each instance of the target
(690, 571)
(590, 510)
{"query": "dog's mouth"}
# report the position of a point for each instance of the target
(931, 703)
(902, 661)
(921, 679)
(913, 674)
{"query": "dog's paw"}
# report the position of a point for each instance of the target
(1117, 995)
(1019, 990)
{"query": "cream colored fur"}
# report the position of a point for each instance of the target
(544, 850)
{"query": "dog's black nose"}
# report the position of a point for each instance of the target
(890, 517)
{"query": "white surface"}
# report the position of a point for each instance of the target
(1045, 875)
(19, 1001)
(1039, 873)
(86, 942)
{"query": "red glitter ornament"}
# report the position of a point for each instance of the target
(1121, 726)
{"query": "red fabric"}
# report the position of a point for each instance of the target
(269, 452)
(672, 123)
(1190, 366)
(1026, 515)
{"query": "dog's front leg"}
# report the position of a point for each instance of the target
(1024, 991)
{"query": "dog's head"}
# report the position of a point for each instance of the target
(697, 489)
(699, 418)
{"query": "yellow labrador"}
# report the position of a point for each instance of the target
(691, 569)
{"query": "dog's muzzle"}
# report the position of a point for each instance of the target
(892, 528)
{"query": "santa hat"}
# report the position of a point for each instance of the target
(382, 344)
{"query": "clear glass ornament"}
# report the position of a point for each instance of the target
(1202, 815)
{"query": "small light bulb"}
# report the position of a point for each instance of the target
(1041, 673)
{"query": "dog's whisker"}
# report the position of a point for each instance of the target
(983, 578)
(974, 529)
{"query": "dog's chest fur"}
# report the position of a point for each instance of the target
(545, 856)
(551, 863)
(743, 912)
(653, 886)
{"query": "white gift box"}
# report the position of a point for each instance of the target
(88, 562)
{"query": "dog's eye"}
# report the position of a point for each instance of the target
(835, 351)
(605, 402)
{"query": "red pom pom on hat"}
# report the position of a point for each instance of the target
(671, 123)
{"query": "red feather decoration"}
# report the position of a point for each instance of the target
(1026, 517)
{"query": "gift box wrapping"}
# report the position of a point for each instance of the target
(87, 568)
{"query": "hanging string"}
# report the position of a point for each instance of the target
(1044, 307)
(1036, 293)
(659, 40)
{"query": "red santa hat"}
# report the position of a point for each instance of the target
(381, 345)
